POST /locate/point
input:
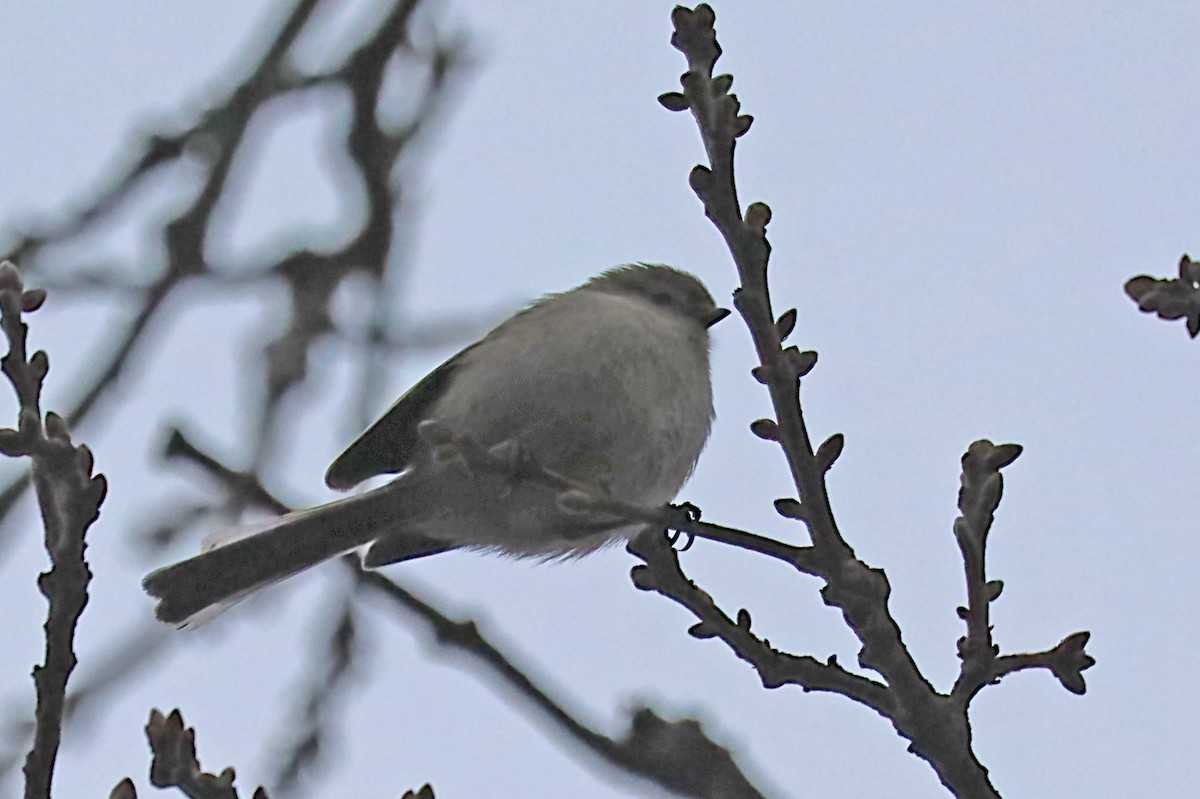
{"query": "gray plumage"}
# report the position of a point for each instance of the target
(607, 384)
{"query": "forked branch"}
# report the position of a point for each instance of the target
(936, 723)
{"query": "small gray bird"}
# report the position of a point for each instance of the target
(607, 384)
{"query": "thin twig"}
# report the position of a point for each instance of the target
(69, 498)
(175, 764)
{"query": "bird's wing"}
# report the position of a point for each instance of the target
(389, 445)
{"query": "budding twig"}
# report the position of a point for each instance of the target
(69, 498)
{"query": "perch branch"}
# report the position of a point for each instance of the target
(936, 724)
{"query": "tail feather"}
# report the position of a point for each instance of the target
(244, 563)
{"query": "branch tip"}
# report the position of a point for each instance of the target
(800, 363)
(123, 790)
(674, 101)
(643, 578)
(828, 452)
(700, 179)
(790, 508)
(785, 324)
(32, 300)
(765, 429)
(10, 277)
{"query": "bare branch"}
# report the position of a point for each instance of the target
(663, 575)
(1170, 298)
(175, 764)
(1066, 662)
(982, 488)
(69, 498)
(935, 723)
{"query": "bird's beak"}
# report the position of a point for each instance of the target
(717, 316)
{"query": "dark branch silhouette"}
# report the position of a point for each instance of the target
(1170, 298)
(175, 764)
(935, 723)
(69, 498)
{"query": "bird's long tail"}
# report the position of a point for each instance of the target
(245, 560)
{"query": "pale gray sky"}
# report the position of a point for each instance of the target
(959, 190)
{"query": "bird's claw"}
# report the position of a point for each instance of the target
(692, 514)
(674, 536)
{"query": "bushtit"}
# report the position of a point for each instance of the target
(607, 384)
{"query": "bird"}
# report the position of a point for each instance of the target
(607, 384)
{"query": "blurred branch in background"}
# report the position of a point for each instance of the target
(382, 144)
(310, 276)
(318, 706)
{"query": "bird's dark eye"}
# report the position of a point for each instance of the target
(662, 298)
